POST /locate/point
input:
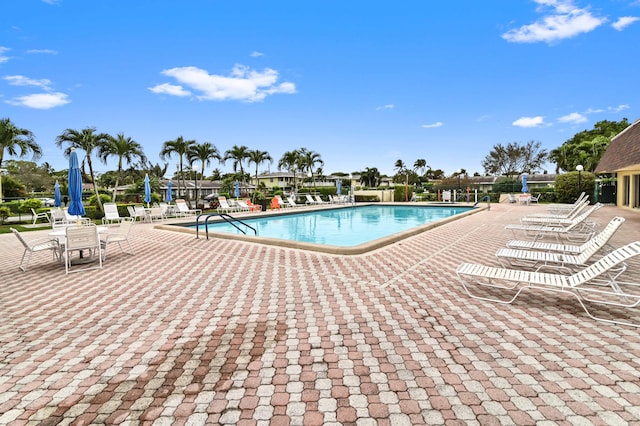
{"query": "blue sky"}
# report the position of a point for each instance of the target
(363, 83)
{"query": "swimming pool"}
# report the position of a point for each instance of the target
(346, 230)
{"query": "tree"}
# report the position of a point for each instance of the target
(237, 154)
(514, 159)
(586, 147)
(258, 157)
(403, 171)
(420, 165)
(308, 160)
(204, 152)
(35, 178)
(126, 149)
(289, 161)
(86, 140)
(16, 141)
(179, 147)
(370, 177)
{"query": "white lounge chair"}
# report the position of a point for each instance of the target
(556, 218)
(35, 246)
(579, 229)
(563, 208)
(319, 200)
(564, 262)
(292, 203)
(184, 210)
(606, 234)
(118, 235)
(224, 206)
(597, 284)
(111, 214)
(309, 199)
(41, 215)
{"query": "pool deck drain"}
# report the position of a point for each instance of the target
(201, 332)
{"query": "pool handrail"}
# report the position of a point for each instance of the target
(224, 216)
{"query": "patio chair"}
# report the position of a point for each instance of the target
(244, 206)
(535, 199)
(118, 235)
(253, 207)
(275, 204)
(564, 262)
(575, 211)
(81, 239)
(319, 200)
(58, 218)
(224, 206)
(282, 204)
(309, 199)
(559, 220)
(596, 285)
(41, 215)
(562, 208)
(606, 234)
(513, 199)
(578, 230)
(35, 246)
(111, 213)
(184, 210)
(292, 203)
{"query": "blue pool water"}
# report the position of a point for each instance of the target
(345, 227)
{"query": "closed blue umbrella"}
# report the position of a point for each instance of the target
(169, 189)
(525, 189)
(147, 190)
(338, 186)
(56, 195)
(75, 186)
(237, 189)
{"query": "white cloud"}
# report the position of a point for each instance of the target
(3, 57)
(256, 54)
(41, 100)
(574, 118)
(433, 125)
(44, 51)
(529, 121)
(20, 80)
(563, 21)
(243, 84)
(170, 89)
(619, 108)
(624, 22)
(387, 106)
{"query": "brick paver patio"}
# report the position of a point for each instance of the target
(197, 332)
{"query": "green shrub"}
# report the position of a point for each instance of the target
(30, 203)
(4, 214)
(567, 188)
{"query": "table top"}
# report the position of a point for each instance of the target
(63, 231)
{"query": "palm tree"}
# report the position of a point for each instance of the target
(180, 147)
(86, 140)
(203, 152)
(126, 149)
(370, 177)
(17, 141)
(402, 169)
(258, 157)
(238, 154)
(421, 165)
(289, 162)
(309, 159)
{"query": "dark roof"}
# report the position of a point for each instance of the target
(623, 151)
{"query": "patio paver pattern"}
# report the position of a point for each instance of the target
(189, 331)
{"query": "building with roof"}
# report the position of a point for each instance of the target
(621, 160)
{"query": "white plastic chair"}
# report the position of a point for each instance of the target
(81, 239)
(118, 235)
(35, 246)
(42, 215)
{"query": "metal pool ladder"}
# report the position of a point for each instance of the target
(233, 221)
